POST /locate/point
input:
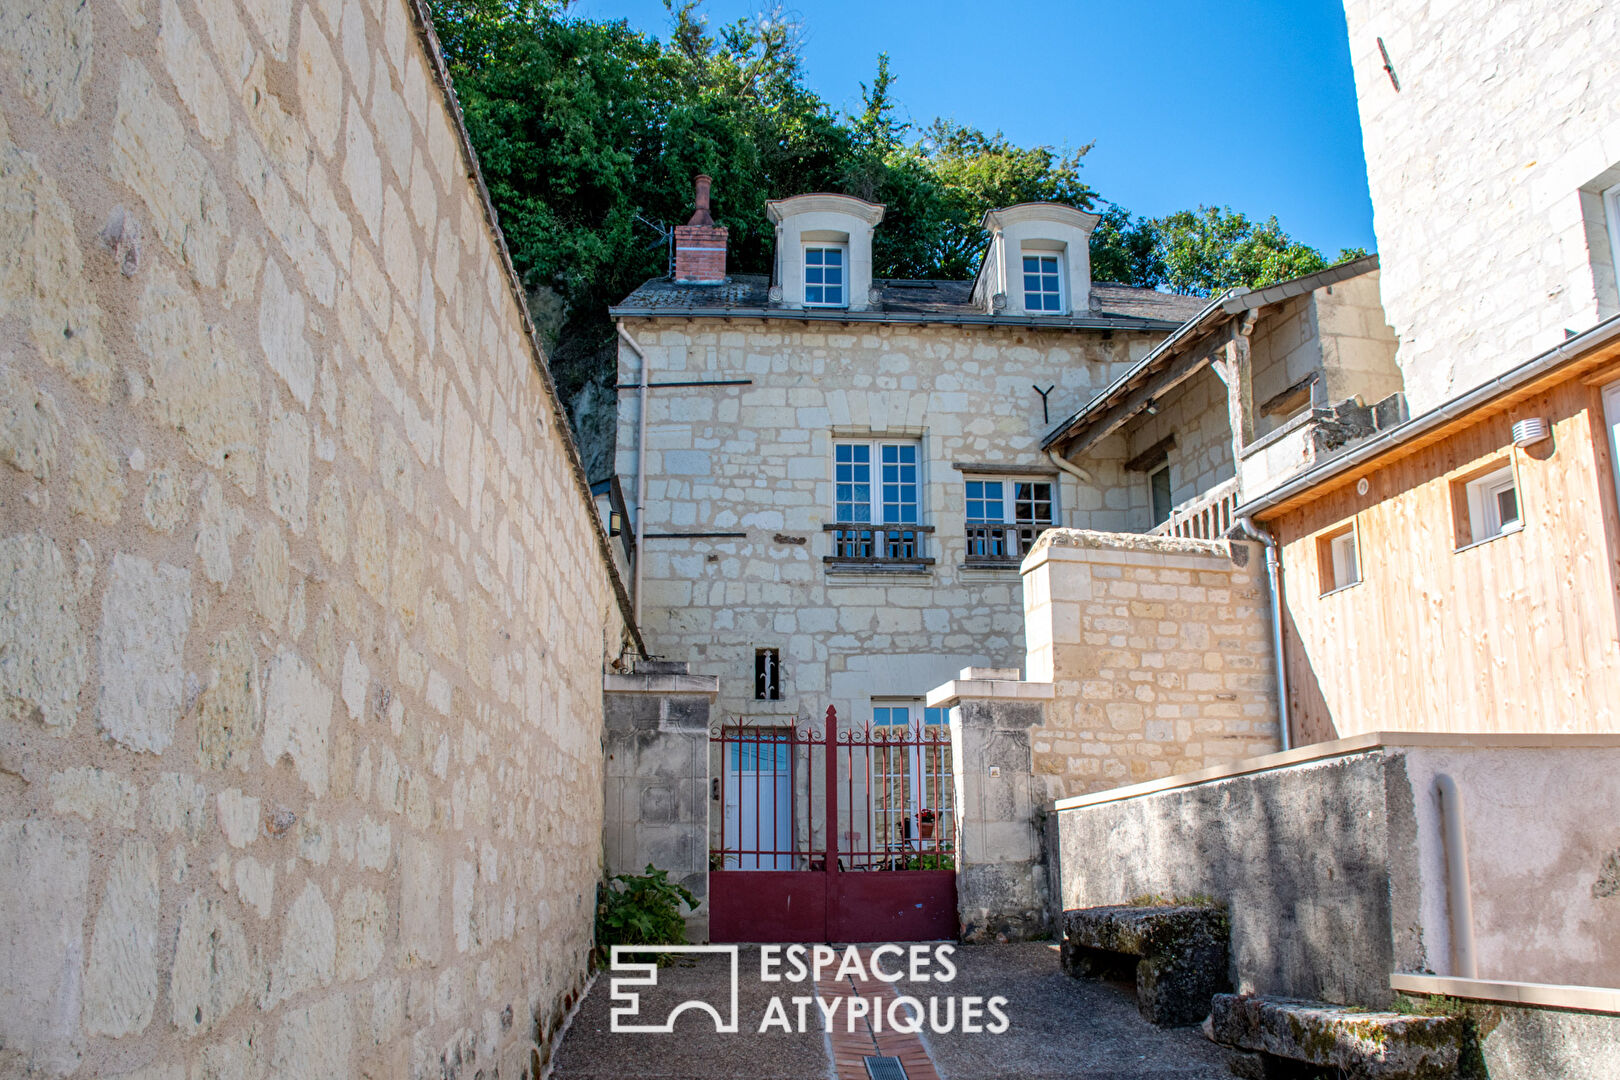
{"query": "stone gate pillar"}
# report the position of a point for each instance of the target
(1001, 882)
(658, 777)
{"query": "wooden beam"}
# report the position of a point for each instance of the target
(1115, 416)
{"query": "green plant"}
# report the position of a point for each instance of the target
(641, 909)
(1161, 900)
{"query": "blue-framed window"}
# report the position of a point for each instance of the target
(984, 503)
(899, 483)
(769, 755)
(895, 498)
(824, 277)
(852, 479)
(1043, 291)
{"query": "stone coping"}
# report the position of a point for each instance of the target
(959, 690)
(1354, 744)
(707, 685)
(1091, 545)
(1599, 999)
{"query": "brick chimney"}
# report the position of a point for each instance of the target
(700, 244)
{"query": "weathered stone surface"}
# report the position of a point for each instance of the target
(96, 483)
(42, 271)
(165, 503)
(362, 933)
(30, 425)
(256, 885)
(201, 384)
(212, 969)
(145, 617)
(297, 717)
(421, 898)
(95, 794)
(281, 334)
(43, 656)
(313, 1042)
(238, 817)
(1181, 954)
(51, 46)
(179, 803)
(308, 948)
(286, 470)
(151, 153)
(1362, 1045)
(228, 713)
(121, 982)
(43, 886)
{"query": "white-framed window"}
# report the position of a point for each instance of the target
(1339, 559)
(913, 816)
(1611, 213)
(826, 276)
(876, 481)
(1159, 494)
(1493, 505)
(1006, 516)
(1043, 283)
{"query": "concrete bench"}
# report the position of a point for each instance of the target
(1178, 952)
(1360, 1045)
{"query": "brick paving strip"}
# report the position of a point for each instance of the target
(850, 1048)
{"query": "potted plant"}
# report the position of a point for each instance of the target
(925, 825)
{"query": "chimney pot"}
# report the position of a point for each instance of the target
(700, 200)
(700, 244)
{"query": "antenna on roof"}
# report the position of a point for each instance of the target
(666, 237)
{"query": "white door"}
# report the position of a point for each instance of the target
(759, 806)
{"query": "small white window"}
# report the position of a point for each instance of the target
(1493, 505)
(1043, 286)
(825, 280)
(1338, 559)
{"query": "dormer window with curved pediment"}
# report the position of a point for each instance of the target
(1038, 262)
(823, 251)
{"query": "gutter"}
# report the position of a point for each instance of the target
(641, 469)
(1246, 527)
(1571, 349)
(1120, 322)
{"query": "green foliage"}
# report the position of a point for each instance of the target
(588, 130)
(641, 909)
(1201, 252)
(1203, 900)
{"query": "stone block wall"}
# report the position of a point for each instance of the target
(1484, 168)
(303, 607)
(757, 460)
(1159, 651)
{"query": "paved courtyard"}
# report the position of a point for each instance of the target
(1057, 1027)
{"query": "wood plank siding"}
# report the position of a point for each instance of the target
(1520, 633)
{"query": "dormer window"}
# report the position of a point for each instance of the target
(1043, 290)
(825, 280)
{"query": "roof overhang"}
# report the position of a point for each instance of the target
(1595, 352)
(1081, 427)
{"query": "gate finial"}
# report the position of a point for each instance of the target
(832, 718)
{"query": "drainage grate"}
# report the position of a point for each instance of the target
(884, 1068)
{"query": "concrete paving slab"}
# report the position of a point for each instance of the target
(1059, 1028)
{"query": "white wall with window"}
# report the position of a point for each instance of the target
(823, 251)
(1004, 515)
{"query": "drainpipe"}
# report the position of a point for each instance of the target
(1073, 470)
(1247, 528)
(641, 468)
(1458, 894)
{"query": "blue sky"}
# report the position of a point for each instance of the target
(1247, 104)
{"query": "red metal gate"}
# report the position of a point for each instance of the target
(833, 835)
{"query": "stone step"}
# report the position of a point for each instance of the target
(1180, 953)
(1362, 1045)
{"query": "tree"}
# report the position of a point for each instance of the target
(1201, 252)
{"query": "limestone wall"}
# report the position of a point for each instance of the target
(1159, 652)
(1484, 168)
(757, 460)
(302, 605)
(1195, 412)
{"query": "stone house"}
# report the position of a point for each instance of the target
(835, 477)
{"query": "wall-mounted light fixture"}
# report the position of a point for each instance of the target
(1529, 431)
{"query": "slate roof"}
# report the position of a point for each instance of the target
(747, 295)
